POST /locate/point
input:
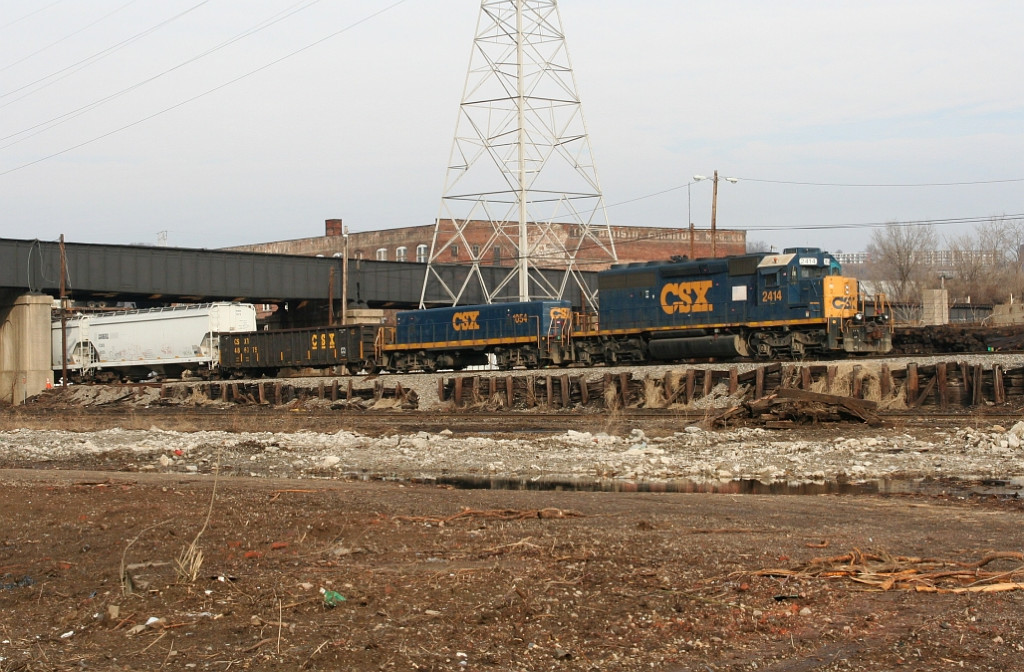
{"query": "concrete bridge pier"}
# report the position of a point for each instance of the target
(24, 346)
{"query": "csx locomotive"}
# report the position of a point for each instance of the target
(790, 305)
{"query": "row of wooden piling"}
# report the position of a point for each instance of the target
(279, 392)
(942, 384)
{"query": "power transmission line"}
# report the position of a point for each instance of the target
(67, 116)
(205, 93)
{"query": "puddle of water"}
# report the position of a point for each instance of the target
(1002, 488)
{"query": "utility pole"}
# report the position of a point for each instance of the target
(344, 277)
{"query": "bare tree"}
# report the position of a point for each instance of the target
(986, 265)
(758, 246)
(900, 261)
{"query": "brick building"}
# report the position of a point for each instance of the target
(412, 244)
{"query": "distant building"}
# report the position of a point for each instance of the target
(412, 244)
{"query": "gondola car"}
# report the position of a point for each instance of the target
(342, 349)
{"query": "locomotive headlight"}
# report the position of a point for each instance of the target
(858, 318)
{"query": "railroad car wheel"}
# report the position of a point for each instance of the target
(370, 366)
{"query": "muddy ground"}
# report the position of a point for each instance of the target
(331, 574)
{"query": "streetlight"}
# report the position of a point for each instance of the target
(714, 206)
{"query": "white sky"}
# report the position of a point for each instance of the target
(360, 125)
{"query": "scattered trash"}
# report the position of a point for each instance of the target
(23, 582)
(67, 634)
(332, 598)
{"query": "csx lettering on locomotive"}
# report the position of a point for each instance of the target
(560, 313)
(466, 320)
(686, 297)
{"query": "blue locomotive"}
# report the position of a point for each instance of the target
(765, 305)
(529, 334)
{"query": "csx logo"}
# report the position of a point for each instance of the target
(686, 297)
(843, 303)
(466, 320)
(559, 313)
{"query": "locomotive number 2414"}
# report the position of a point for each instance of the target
(770, 295)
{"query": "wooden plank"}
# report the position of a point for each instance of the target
(912, 382)
(493, 382)
(261, 388)
(885, 381)
(547, 389)
(334, 390)
(584, 392)
(965, 379)
(457, 398)
(830, 378)
(734, 379)
(806, 395)
(690, 383)
(509, 390)
(565, 390)
(277, 394)
(759, 383)
(440, 389)
(624, 388)
(927, 390)
(708, 382)
(856, 383)
(998, 391)
(348, 392)
(805, 377)
(321, 391)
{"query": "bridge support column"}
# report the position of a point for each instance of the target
(24, 346)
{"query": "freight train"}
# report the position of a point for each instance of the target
(761, 306)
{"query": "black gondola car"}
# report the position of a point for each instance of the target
(349, 348)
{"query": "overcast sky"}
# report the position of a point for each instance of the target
(358, 125)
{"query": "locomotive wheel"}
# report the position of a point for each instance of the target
(370, 366)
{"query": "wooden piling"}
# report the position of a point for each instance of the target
(941, 384)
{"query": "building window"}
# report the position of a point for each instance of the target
(421, 254)
(497, 254)
(476, 252)
(358, 254)
(455, 251)
(382, 254)
(400, 253)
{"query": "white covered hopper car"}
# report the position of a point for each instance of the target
(137, 344)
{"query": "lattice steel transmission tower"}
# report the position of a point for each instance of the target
(521, 191)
